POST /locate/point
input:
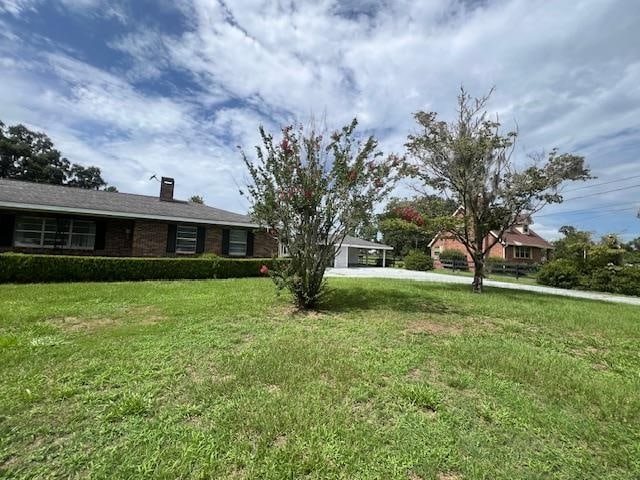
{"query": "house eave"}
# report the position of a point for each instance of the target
(377, 247)
(113, 214)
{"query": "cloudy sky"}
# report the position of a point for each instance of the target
(170, 87)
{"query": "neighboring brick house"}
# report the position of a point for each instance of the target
(520, 244)
(43, 218)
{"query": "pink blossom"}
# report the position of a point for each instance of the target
(264, 270)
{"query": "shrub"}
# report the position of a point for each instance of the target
(416, 260)
(559, 273)
(452, 254)
(21, 268)
(624, 280)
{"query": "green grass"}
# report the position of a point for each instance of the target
(527, 280)
(219, 379)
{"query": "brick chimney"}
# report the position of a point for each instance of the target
(166, 189)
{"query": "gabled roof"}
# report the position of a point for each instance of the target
(518, 239)
(43, 197)
(354, 242)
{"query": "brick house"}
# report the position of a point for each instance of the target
(520, 244)
(43, 218)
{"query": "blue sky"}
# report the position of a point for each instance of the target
(172, 87)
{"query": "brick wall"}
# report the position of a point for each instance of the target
(264, 245)
(118, 239)
(213, 240)
(149, 239)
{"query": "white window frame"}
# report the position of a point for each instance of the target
(232, 242)
(189, 239)
(69, 234)
(529, 254)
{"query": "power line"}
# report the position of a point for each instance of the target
(601, 183)
(604, 214)
(602, 193)
(589, 210)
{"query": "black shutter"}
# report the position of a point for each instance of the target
(250, 238)
(202, 232)
(225, 241)
(101, 234)
(171, 238)
(7, 223)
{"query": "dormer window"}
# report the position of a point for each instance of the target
(525, 229)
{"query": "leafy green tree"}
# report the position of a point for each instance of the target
(408, 224)
(470, 161)
(31, 156)
(85, 177)
(196, 199)
(110, 188)
(574, 246)
(311, 192)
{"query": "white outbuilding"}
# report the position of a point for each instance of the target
(352, 249)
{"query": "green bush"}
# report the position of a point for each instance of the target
(559, 273)
(624, 280)
(451, 254)
(416, 260)
(21, 268)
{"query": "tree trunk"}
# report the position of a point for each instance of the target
(478, 275)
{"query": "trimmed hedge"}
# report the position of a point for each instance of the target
(24, 268)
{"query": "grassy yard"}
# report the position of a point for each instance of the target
(526, 280)
(219, 379)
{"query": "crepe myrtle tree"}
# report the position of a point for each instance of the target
(310, 192)
(470, 160)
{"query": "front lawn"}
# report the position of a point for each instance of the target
(397, 379)
(526, 279)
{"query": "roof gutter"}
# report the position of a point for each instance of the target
(368, 247)
(102, 213)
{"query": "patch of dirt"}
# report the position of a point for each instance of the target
(448, 476)
(76, 324)
(238, 473)
(414, 476)
(273, 388)
(280, 441)
(148, 315)
(415, 374)
(585, 351)
(432, 328)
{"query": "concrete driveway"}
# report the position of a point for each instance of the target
(401, 274)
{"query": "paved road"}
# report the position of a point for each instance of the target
(444, 278)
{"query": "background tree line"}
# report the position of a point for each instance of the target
(31, 156)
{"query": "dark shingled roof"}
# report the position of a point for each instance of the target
(532, 239)
(56, 198)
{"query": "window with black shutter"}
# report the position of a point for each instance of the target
(200, 237)
(171, 238)
(7, 222)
